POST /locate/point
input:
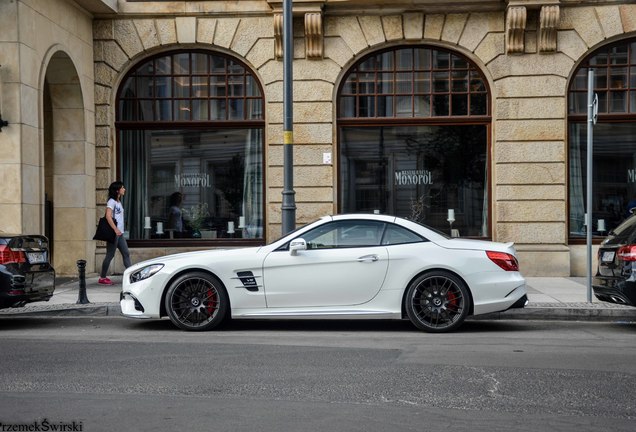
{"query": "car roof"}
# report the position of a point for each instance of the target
(369, 216)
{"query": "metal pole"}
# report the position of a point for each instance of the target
(82, 298)
(590, 153)
(289, 204)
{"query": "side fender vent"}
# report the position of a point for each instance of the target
(248, 280)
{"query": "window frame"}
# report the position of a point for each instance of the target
(604, 115)
(386, 226)
(395, 121)
(338, 226)
(196, 125)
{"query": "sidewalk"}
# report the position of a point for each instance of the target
(104, 300)
(550, 298)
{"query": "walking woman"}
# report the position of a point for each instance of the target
(115, 218)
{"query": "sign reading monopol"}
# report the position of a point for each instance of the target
(192, 179)
(413, 177)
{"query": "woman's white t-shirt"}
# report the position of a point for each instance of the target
(118, 213)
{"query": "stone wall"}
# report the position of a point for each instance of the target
(530, 134)
(46, 51)
(527, 68)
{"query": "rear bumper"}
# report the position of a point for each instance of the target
(521, 303)
(615, 290)
(17, 289)
(498, 291)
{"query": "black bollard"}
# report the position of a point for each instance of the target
(81, 267)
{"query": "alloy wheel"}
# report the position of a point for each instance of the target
(437, 302)
(196, 302)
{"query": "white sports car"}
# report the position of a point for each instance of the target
(345, 266)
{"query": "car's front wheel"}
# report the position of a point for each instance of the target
(437, 302)
(196, 301)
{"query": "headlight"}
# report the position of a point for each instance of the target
(145, 273)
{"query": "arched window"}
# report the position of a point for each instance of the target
(414, 127)
(190, 131)
(614, 158)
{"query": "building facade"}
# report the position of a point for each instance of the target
(473, 111)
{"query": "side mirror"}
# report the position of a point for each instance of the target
(297, 245)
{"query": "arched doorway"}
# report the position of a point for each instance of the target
(69, 214)
(413, 137)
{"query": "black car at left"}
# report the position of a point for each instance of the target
(26, 275)
(615, 280)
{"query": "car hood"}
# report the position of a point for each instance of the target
(212, 254)
(457, 243)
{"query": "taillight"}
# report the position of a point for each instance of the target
(627, 253)
(504, 260)
(8, 255)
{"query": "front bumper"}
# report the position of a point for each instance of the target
(615, 290)
(131, 307)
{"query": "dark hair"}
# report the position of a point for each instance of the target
(113, 189)
(175, 199)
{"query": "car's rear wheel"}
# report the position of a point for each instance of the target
(196, 301)
(437, 302)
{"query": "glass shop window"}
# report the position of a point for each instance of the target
(614, 147)
(414, 126)
(190, 139)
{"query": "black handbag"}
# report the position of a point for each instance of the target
(104, 231)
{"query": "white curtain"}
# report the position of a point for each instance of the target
(134, 160)
(252, 207)
(485, 207)
(577, 199)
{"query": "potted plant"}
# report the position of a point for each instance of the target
(196, 216)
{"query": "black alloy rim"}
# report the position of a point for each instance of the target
(438, 302)
(195, 302)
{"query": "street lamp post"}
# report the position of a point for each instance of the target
(289, 204)
(592, 110)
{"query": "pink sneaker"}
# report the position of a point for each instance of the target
(105, 281)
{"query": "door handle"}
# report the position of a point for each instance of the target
(368, 258)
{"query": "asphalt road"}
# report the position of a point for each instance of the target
(109, 374)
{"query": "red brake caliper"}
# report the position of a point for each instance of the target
(452, 299)
(211, 302)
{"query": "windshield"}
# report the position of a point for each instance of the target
(294, 231)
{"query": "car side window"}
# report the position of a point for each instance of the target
(395, 234)
(343, 234)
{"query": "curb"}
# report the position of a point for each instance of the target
(66, 310)
(543, 313)
(562, 314)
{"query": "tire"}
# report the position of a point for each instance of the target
(437, 302)
(196, 301)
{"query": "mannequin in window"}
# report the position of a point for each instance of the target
(175, 220)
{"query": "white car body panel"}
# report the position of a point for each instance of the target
(332, 283)
(324, 277)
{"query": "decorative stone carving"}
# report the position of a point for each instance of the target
(516, 17)
(548, 23)
(313, 35)
(314, 46)
(278, 36)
